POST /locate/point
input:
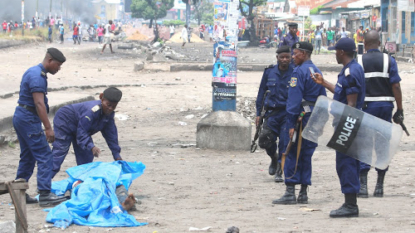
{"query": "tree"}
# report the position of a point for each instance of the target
(203, 11)
(247, 10)
(188, 2)
(152, 10)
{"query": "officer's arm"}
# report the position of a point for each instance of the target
(295, 96)
(83, 138)
(110, 134)
(395, 79)
(397, 92)
(318, 78)
(262, 89)
(39, 99)
(352, 100)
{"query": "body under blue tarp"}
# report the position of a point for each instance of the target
(94, 202)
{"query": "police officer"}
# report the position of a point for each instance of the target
(302, 94)
(276, 80)
(291, 37)
(350, 90)
(76, 124)
(382, 89)
(27, 120)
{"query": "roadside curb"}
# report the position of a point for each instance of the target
(176, 67)
(7, 122)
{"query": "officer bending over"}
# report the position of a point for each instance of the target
(276, 80)
(27, 121)
(76, 123)
(350, 90)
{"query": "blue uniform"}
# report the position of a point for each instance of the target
(277, 83)
(303, 91)
(381, 109)
(288, 40)
(76, 124)
(351, 80)
(33, 144)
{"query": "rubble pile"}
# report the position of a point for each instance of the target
(138, 36)
(246, 107)
(176, 38)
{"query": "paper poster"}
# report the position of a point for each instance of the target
(226, 14)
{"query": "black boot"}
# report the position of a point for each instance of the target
(278, 174)
(379, 185)
(46, 198)
(288, 198)
(348, 209)
(302, 196)
(363, 185)
(273, 166)
(30, 200)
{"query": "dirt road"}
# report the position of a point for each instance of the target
(184, 186)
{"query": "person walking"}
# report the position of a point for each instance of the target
(382, 89)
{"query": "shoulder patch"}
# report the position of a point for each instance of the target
(293, 82)
(347, 72)
(43, 73)
(270, 66)
(95, 108)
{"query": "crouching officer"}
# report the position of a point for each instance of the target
(27, 121)
(302, 94)
(76, 124)
(350, 90)
(382, 89)
(275, 80)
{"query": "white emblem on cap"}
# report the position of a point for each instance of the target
(297, 46)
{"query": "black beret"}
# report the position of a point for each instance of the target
(292, 24)
(56, 55)
(112, 94)
(284, 49)
(303, 46)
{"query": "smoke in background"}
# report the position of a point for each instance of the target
(76, 10)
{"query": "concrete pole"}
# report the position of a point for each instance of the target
(22, 17)
(224, 128)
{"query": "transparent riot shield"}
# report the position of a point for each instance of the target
(350, 131)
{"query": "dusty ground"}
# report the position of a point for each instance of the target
(184, 186)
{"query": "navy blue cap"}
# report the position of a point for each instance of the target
(303, 46)
(345, 44)
(292, 24)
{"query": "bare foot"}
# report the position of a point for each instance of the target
(128, 204)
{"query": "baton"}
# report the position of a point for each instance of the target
(292, 140)
(404, 128)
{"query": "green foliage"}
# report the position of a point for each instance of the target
(151, 9)
(247, 7)
(203, 12)
(308, 22)
(315, 11)
(176, 22)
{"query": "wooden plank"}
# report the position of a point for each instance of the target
(15, 186)
(20, 210)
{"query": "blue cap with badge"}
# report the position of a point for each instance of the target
(345, 44)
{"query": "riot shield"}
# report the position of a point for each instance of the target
(350, 131)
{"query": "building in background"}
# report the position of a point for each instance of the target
(107, 9)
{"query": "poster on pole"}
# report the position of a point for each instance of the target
(225, 32)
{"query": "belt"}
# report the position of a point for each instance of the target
(29, 108)
(275, 109)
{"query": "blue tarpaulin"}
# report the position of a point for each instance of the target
(94, 202)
